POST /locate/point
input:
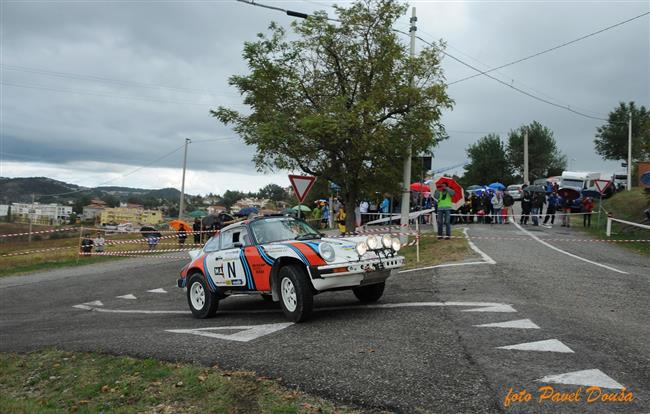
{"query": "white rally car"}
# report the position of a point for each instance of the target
(286, 260)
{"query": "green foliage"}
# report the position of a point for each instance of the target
(337, 101)
(110, 200)
(544, 158)
(488, 162)
(273, 192)
(612, 138)
(231, 197)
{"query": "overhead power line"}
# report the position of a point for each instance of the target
(561, 45)
(480, 72)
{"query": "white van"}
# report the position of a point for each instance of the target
(579, 180)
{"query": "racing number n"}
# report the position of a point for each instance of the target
(231, 270)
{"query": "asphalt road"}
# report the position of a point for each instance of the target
(420, 349)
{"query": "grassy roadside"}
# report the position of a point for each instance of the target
(434, 251)
(65, 250)
(62, 382)
(626, 205)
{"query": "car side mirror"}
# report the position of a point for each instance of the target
(238, 244)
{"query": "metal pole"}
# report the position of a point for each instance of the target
(31, 214)
(81, 233)
(182, 202)
(526, 180)
(629, 152)
(417, 242)
(406, 175)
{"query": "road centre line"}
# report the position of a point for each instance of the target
(565, 252)
(475, 307)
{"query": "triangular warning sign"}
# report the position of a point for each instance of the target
(602, 185)
(301, 185)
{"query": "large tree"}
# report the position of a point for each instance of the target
(337, 101)
(544, 157)
(488, 162)
(612, 138)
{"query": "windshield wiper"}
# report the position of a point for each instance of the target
(309, 236)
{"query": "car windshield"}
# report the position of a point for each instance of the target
(514, 187)
(282, 228)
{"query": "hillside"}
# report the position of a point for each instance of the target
(20, 190)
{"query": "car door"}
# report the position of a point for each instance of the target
(227, 266)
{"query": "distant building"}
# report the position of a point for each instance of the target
(250, 202)
(93, 211)
(216, 209)
(41, 213)
(4, 210)
(119, 215)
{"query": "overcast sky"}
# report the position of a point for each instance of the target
(92, 90)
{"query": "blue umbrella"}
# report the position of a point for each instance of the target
(497, 186)
(246, 211)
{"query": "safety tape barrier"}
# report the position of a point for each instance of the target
(139, 255)
(36, 251)
(40, 232)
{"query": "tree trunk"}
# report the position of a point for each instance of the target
(350, 205)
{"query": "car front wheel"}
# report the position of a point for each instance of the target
(203, 303)
(370, 293)
(296, 296)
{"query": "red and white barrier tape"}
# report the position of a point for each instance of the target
(40, 232)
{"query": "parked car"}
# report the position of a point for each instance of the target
(285, 260)
(515, 191)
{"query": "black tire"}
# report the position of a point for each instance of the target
(296, 297)
(370, 293)
(210, 301)
(267, 297)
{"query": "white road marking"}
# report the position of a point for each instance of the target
(444, 265)
(129, 296)
(518, 324)
(94, 303)
(557, 249)
(479, 307)
(588, 377)
(486, 259)
(159, 290)
(246, 334)
(472, 246)
(549, 345)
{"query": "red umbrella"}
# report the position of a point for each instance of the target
(458, 199)
(420, 188)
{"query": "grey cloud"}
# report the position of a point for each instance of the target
(194, 47)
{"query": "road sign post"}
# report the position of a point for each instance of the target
(301, 185)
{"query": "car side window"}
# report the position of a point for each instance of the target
(212, 245)
(230, 237)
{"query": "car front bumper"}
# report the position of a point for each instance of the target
(352, 274)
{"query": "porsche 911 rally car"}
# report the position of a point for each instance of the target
(287, 261)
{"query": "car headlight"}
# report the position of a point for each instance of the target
(361, 248)
(396, 244)
(373, 242)
(326, 252)
(386, 241)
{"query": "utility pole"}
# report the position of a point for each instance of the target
(182, 203)
(629, 152)
(31, 218)
(406, 176)
(526, 181)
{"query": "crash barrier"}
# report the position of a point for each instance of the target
(610, 219)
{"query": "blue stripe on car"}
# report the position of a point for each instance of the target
(267, 259)
(207, 274)
(299, 253)
(247, 269)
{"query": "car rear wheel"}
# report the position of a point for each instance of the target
(296, 296)
(370, 293)
(203, 303)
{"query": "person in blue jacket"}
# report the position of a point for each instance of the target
(551, 209)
